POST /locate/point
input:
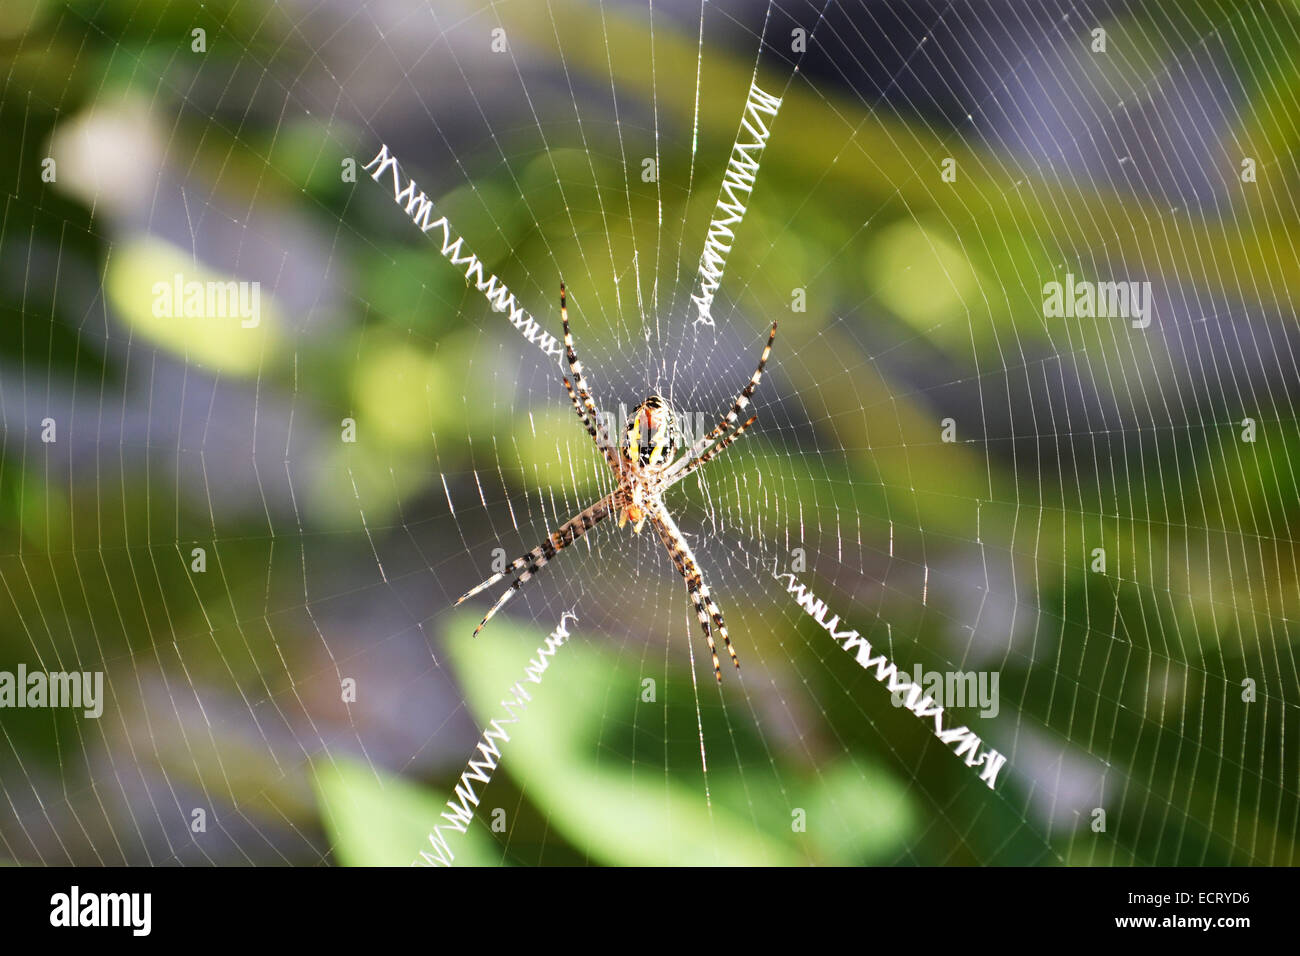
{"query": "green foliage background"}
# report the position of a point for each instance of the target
(1135, 675)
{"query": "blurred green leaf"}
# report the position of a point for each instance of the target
(142, 276)
(554, 750)
(374, 819)
(859, 813)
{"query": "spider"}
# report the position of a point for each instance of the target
(645, 466)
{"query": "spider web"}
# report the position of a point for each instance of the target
(1150, 694)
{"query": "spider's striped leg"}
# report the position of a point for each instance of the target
(582, 400)
(532, 562)
(599, 434)
(575, 367)
(689, 569)
(582, 414)
(741, 402)
(712, 452)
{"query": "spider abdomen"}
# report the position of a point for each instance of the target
(651, 436)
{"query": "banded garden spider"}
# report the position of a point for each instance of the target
(646, 466)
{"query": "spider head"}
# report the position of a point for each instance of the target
(651, 435)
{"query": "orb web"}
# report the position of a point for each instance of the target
(257, 531)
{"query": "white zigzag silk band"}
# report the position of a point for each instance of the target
(965, 741)
(419, 208)
(737, 184)
(465, 799)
